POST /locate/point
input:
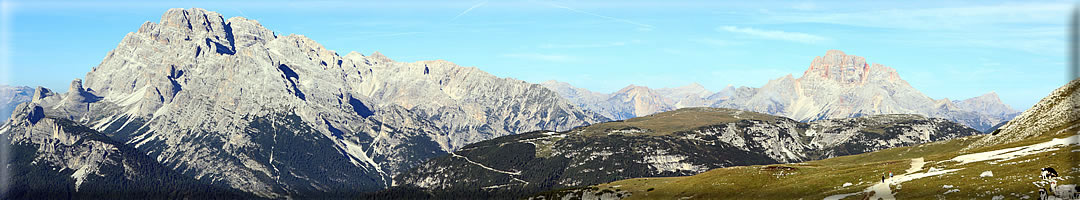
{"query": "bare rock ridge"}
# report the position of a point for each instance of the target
(230, 102)
(835, 85)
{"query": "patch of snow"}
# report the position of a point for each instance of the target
(846, 184)
(1010, 153)
(933, 169)
(986, 174)
(946, 186)
(998, 197)
(908, 177)
(839, 196)
(951, 191)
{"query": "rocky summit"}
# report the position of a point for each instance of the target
(230, 102)
(835, 85)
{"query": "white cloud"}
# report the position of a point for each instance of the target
(540, 56)
(775, 35)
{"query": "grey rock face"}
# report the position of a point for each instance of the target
(52, 158)
(528, 163)
(692, 95)
(11, 96)
(839, 85)
(1057, 113)
(836, 85)
(230, 102)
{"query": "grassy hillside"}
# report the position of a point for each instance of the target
(1014, 178)
(666, 123)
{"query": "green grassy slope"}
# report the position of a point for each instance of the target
(1012, 178)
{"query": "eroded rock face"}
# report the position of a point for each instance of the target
(51, 158)
(528, 163)
(230, 102)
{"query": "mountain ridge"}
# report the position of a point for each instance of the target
(835, 85)
(230, 102)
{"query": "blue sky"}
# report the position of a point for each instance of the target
(946, 49)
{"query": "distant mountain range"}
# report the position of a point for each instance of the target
(1002, 165)
(836, 85)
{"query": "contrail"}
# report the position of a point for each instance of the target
(467, 10)
(601, 16)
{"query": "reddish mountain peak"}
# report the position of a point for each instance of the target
(848, 69)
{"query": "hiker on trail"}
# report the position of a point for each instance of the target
(883, 178)
(890, 174)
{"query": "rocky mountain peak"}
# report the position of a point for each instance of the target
(848, 69)
(379, 57)
(837, 66)
(989, 102)
(693, 85)
(692, 89)
(188, 24)
(249, 95)
(834, 52)
(41, 93)
(554, 82)
(632, 88)
(76, 86)
(988, 97)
